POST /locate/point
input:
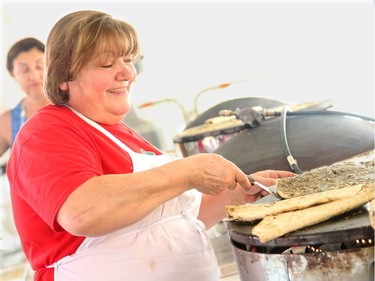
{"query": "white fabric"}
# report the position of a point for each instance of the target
(168, 244)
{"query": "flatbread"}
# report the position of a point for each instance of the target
(272, 227)
(372, 213)
(326, 178)
(252, 212)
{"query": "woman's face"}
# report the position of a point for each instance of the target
(101, 89)
(28, 72)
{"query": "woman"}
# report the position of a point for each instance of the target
(25, 63)
(98, 202)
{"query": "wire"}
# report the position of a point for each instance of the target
(283, 114)
(321, 112)
(284, 139)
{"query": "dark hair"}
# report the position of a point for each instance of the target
(23, 45)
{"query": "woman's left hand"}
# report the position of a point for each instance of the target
(266, 177)
(212, 207)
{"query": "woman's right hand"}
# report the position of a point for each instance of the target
(211, 174)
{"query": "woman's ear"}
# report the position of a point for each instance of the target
(64, 86)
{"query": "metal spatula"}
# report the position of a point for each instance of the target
(270, 189)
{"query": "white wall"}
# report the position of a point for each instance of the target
(311, 50)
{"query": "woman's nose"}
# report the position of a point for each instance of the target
(35, 74)
(127, 71)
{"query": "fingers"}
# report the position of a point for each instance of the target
(275, 174)
(232, 185)
(217, 174)
(237, 178)
(254, 190)
(243, 180)
(251, 198)
(247, 193)
(251, 179)
(269, 177)
(212, 174)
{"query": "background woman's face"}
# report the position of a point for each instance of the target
(28, 72)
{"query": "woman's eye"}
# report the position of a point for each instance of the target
(107, 65)
(128, 60)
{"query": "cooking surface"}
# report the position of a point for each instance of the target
(349, 226)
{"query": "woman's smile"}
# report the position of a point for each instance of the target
(118, 91)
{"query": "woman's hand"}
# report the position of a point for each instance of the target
(211, 174)
(267, 178)
(213, 207)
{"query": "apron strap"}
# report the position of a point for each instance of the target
(101, 129)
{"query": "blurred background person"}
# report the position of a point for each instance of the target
(25, 63)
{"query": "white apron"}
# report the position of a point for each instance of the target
(168, 244)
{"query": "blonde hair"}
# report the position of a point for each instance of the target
(74, 40)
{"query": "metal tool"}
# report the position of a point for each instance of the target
(270, 189)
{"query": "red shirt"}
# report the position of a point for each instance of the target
(55, 152)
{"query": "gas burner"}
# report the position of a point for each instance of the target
(341, 248)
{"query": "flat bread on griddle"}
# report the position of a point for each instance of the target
(327, 178)
(252, 212)
(371, 213)
(272, 227)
